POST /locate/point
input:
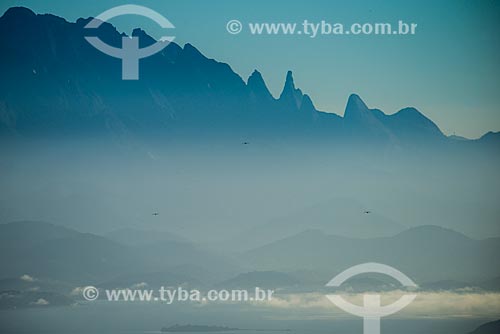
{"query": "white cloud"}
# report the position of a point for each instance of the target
(27, 278)
(40, 302)
(141, 285)
(427, 304)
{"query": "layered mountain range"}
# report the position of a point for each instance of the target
(57, 258)
(55, 83)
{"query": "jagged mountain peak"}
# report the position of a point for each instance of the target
(184, 82)
(355, 106)
(290, 97)
(258, 87)
(255, 79)
(289, 80)
(289, 87)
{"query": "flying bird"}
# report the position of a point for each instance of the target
(155, 213)
(367, 212)
(245, 143)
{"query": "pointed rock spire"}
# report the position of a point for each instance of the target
(291, 97)
(289, 86)
(257, 86)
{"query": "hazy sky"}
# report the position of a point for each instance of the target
(450, 70)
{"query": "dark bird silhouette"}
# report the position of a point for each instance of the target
(155, 213)
(367, 212)
(245, 143)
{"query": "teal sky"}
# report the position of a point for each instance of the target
(450, 70)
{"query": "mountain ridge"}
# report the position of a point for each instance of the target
(423, 252)
(76, 89)
(48, 251)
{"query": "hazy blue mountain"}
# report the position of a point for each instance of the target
(339, 216)
(26, 234)
(77, 90)
(172, 254)
(81, 258)
(259, 93)
(358, 118)
(291, 97)
(457, 138)
(491, 284)
(411, 125)
(134, 237)
(490, 138)
(486, 143)
(64, 255)
(488, 328)
(426, 253)
(407, 125)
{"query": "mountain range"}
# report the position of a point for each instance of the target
(56, 84)
(51, 257)
(50, 252)
(425, 253)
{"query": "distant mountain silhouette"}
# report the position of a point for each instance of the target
(49, 252)
(134, 237)
(340, 216)
(490, 138)
(491, 284)
(76, 90)
(488, 328)
(26, 234)
(426, 253)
